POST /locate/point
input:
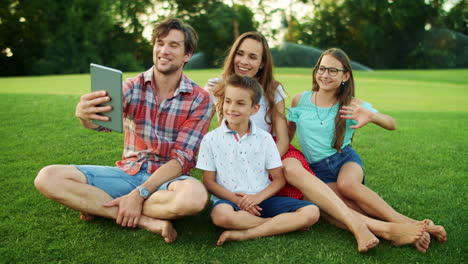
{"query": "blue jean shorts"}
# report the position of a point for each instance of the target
(328, 169)
(272, 206)
(116, 182)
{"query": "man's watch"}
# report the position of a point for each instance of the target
(143, 192)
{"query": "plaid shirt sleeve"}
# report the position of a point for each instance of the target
(192, 131)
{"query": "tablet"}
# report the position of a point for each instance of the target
(109, 80)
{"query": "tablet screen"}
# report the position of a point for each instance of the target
(109, 80)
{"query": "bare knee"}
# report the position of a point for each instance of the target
(293, 171)
(50, 179)
(221, 220)
(46, 180)
(311, 214)
(348, 188)
(190, 199)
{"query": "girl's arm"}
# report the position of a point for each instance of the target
(384, 121)
(363, 116)
(281, 129)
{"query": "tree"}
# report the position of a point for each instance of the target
(374, 32)
(53, 37)
(216, 23)
(457, 17)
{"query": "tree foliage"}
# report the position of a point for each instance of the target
(54, 37)
(382, 34)
(216, 23)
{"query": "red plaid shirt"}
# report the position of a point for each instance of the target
(156, 132)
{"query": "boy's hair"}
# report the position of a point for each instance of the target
(248, 84)
(161, 30)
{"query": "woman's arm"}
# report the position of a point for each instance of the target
(281, 129)
(292, 125)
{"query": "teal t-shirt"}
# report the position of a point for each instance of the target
(315, 133)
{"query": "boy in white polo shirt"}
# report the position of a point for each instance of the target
(236, 159)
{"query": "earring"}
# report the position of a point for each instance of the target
(342, 83)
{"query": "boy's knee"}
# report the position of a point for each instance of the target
(221, 220)
(311, 214)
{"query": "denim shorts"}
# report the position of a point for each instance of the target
(116, 182)
(327, 169)
(272, 206)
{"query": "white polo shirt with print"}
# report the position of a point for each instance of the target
(240, 163)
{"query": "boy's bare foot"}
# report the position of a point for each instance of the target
(231, 235)
(404, 234)
(162, 227)
(366, 240)
(86, 217)
(423, 243)
(436, 231)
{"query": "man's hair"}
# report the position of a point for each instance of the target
(248, 84)
(162, 28)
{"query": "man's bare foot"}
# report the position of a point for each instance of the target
(423, 243)
(366, 240)
(231, 235)
(168, 232)
(404, 234)
(86, 217)
(162, 227)
(436, 231)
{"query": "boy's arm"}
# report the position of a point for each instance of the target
(277, 182)
(209, 179)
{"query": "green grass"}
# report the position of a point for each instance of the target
(420, 169)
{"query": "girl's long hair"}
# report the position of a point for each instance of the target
(264, 76)
(344, 94)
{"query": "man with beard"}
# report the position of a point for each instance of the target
(165, 116)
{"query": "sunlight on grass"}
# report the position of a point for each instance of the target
(425, 92)
(420, 169)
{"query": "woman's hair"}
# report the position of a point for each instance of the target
(344, 94)
(264, 75)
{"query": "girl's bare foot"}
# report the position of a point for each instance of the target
(404, 234)
(86, 217)
(436, 231)
(423, 243)
(366, 240)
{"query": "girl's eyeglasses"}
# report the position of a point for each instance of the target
(332, 71)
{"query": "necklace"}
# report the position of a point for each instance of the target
(322, 121)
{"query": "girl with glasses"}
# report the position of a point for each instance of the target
(325, 120)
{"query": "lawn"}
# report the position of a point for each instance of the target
(420, 169)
